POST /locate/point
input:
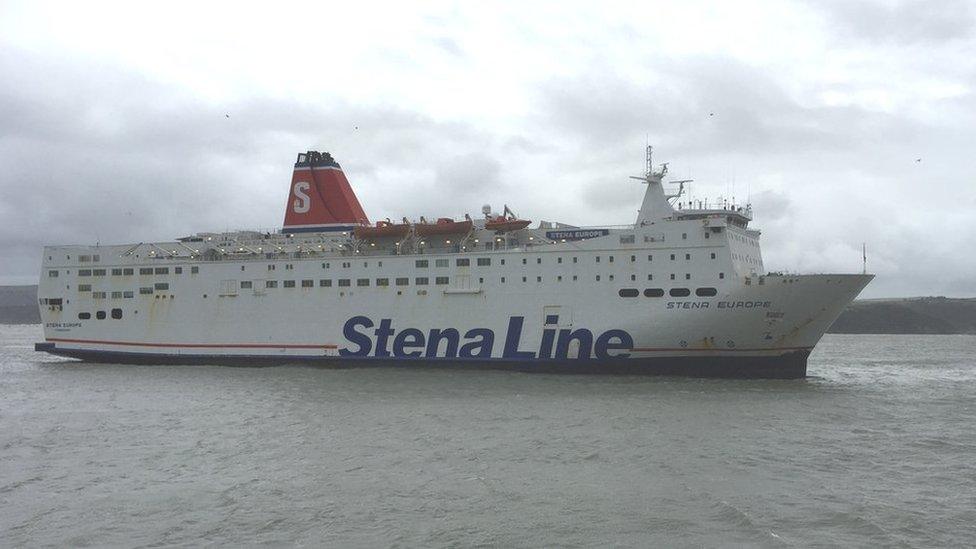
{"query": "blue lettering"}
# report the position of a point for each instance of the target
(606, 343)
(583, 336)
(548, 337)
(411, 338)
(383, 333)
(512, 339)
(434, 340)
(360, 339)
(483, 345)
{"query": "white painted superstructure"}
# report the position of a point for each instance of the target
(679, 291)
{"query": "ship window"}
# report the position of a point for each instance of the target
(325, 283)
(650, 277)
(706, 292)
(128, 272)
(626, 239)
(611, 277)
(687, 257)
(672, 257)
(524, 279)
(421, 281)
(574, 278)
(271, 267)
(179, 270)
(706, 234)
(52, 274)
(344, 282)
(559, 278)
(362, 282)
(575, 260)
(162, 270)
(538, 279)
(365, 264)
(128, 294)
(246, 285)
(100, 315)
(653, 292)
(116, 295)
(597, 278)
(308, 284)
(611, 259)
(503, 261)
(98, 295)
(194, 270)
(559, 260)
(116, 272)
(440, 263)
(98, 272)
(679, 292)
(84, 287)
(523, 261)
(403, 281)
(84, 258)
(270, 283)
(441, 280)
(325, 265)
(633, 278)
(463, 262)
(84, 272)
(161, 286)
(420, 264)
(242, 268)
(672, 276)
(289, 266)
(597, 259)
(628, 292)
(721, 275)
(713, 253)
(684, 236)
(484, 261)
(650, 258)
(538, 261)
(503, 280)
(687, 276)
(633, 258)
(117, 314)
(382, 281)
(84, 316)
(145, 271)
(146, 290)
(345, 265)
(481, 280)
(289, 284)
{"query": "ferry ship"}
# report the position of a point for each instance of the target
(681, 291)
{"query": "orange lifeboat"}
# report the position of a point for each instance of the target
(505, 224)
(444, 225)
(382, 229)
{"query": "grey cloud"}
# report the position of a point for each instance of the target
(906, 22)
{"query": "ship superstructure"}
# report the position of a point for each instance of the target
(681, 291)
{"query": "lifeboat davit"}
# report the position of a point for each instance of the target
(382, 229)
(444, 225)
(504, 224)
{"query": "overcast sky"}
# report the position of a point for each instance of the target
(842, 122)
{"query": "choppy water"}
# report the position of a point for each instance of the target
(878, 449)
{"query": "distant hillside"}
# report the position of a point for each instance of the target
(18, 305)
(918, 315)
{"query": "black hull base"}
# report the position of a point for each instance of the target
(790, 365)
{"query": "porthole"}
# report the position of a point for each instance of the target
(706, 292)
(628, 292)
(653, 292)
(100, 315)
(84, 316)
(679, 292)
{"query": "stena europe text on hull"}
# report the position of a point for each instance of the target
(682, 291)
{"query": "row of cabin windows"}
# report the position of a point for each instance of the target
(673, 292)
(128, 271)
(347, 282)
(100, 315)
